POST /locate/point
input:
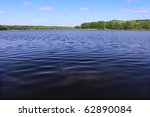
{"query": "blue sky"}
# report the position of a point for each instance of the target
(70, 12)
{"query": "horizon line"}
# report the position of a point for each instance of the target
(73, 25)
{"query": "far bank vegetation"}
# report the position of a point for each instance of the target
(118, 25)
(100, 25)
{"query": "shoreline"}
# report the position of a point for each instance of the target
(74, 29)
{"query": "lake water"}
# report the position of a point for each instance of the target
(75, 64)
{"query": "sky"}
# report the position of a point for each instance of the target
(70, 12)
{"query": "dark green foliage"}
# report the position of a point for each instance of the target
(94, 25)
(77, 27)
(17, 27)
(86, 26)
(101, 25)
(3, 27)
(118, 25)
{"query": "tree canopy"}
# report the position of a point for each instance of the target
(101, 25)
(118, 25)
(18, 27)
(3, 27)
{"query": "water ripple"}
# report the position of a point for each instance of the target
(75, 64)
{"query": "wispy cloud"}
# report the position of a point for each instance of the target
(123, 10)
(26, 3)
(130, 1)
(141, 10)
(137, 10)
(46, 8)
(4, 11)
(84, 9)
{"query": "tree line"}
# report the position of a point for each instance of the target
(118, 25)
(101, 25)
(18, 27)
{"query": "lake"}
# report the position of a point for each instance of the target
(75, 64)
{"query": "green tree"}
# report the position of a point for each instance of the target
(3, 27)
(119, 25)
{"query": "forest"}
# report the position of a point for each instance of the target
(19, 27)
(100, 25)
(118, 25)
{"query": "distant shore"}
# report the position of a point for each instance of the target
(23, 27)
(100, 25)
(118, 25)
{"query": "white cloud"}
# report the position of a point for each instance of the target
(132, 1)
(4, 11)
(26, 3)
(125, 10)
(46, 8)
(84, 9)
(137, 10)
(141, 10)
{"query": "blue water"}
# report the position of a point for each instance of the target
(75, 64)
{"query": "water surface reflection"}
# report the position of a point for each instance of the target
(63, 64)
